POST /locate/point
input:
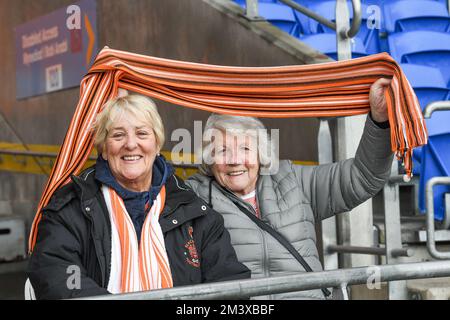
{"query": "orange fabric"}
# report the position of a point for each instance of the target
(143, 267)
(331, 89)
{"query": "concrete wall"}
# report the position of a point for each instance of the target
(190, 30)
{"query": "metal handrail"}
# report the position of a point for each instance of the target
(431, 243)
(350, 33)
(356, 22)
(304, 281)
(435, 106)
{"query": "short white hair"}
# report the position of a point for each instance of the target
(239, 125)
(135, 105)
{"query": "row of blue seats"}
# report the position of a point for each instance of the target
(417, 36)
(394, 17)
(398, 15)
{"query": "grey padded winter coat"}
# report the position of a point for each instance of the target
(296, 198)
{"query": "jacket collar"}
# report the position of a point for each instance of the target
(181, 205)
(177, 193)
(86, 186)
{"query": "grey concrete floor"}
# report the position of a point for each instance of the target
(12, 280)
(12, 286)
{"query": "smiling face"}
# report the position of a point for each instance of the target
(236, 164)
(130, 149)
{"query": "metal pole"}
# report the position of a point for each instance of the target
(329, 230)
(357, 250)
(356, 226)
(393, 231)
(251, 9)
(356, 21)
(304, 281)
(402, 252)
(342, 27)
(309, 13)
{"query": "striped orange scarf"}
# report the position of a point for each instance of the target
(137, 267)
(331, 89)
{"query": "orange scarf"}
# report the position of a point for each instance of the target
(331, 89)
(137, 267)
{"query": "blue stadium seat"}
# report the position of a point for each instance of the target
(427, 82)
(435, 162)
(422, 47)
(432, 159)
(411, 15)
(302, 20)
(280, 15)
(429, 86)
(417, 161)
(326, 43)
(327, 10)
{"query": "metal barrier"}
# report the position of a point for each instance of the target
(431, 243)
(305, 281)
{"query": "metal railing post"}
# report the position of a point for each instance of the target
(329, 229)
(393, 233)
(342, 27)
(355, 227)
(251, 9)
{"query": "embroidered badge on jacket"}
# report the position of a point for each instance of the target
(193, 259)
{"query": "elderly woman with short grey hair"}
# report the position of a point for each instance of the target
(128, 223)
(270, 207)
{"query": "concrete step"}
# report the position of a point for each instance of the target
(429, 289)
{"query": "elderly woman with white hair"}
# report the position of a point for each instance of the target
(271, 207)
(128, 223)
